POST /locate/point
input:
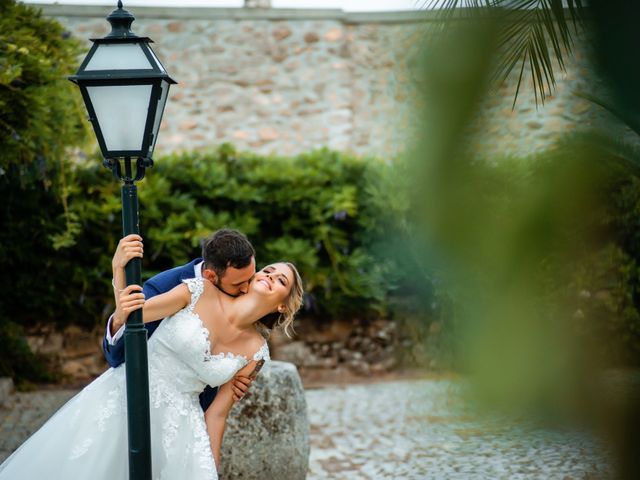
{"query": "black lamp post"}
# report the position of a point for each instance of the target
(125, 88)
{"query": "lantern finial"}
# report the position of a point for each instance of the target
(121, 21)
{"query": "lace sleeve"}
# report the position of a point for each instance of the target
(263, 353)
(196, 287)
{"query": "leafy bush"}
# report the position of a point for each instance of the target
(313, 209)
(320, 210)
(541, 248)
(40, 117)
(609, 281)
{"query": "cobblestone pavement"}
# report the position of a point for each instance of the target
(401, 429)
(413, 430)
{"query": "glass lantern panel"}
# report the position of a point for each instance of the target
(119, 56)
(121, 112)
(164, 85)
(155, 57)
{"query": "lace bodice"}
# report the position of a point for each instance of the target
(180, 351)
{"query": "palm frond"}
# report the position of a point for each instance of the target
(533, 33)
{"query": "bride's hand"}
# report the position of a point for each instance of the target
(129, 300)
(240, 386)
(128, 248)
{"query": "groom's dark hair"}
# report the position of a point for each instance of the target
(227, 248)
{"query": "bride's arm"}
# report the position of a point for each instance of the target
(131, 298)
(217, 413)
(216, 419)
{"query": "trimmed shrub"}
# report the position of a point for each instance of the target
(40, 117)
(316, 210)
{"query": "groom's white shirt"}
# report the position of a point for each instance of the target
(118, 335)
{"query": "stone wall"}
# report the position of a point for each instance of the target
(287, 81)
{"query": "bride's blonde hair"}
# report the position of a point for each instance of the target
(292, 304)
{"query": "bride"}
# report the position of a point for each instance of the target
(209, 338)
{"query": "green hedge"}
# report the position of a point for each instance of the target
(41, 115)
(318, 210)
(608, 282)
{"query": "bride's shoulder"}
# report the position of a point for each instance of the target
(254, 341)
(200, 285)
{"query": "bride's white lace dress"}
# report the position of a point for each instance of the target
(87, 437)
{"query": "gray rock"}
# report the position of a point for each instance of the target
(297, 352)
(267, 434)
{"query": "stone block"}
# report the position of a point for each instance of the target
(311, 37)
(175, 27)
(267, 433)
(268, 134)
(333, 35)
(281, 33)
(188, 125)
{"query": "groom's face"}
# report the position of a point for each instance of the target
(234, 281)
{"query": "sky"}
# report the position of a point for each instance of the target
(347, 5)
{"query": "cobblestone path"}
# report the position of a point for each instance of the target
(394, 430)
(413, 430)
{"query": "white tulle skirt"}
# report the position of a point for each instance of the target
(87, 437)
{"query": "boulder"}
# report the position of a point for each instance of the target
(267, 433)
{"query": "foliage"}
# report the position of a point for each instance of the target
(40, 117)
(315, 209)
(531, 33)
(609, 281)
(329, 213)
(604, 273)
(345, 221)
(538, 250)
(319, 210)
(41, 114)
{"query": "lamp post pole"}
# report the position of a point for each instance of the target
(135, 335)
(125, 88)
(135, 344)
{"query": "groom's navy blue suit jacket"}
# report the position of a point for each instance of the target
(161, 283)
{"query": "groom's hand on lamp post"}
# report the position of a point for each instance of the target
(128, 248)
(131, 298)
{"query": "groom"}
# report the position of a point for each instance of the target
(228, 261)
